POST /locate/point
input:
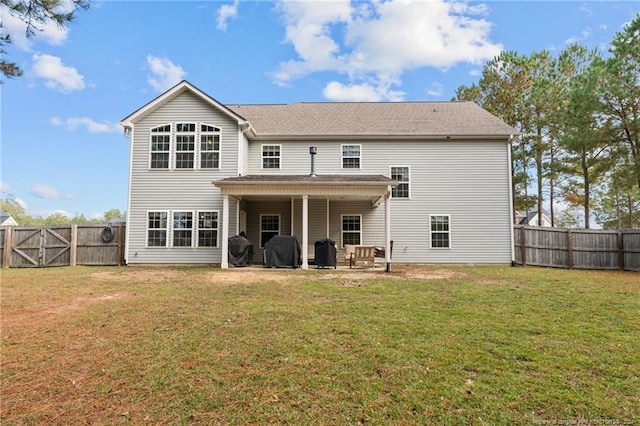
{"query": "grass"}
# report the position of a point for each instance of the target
(196, 345)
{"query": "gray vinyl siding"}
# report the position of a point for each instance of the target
(467, 180)
(178, 190)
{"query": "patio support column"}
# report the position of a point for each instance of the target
(305, 232)
(224, 261)
(387, 231)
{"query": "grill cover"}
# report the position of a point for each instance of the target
(240, 251)
(282, 251)
(325, 253)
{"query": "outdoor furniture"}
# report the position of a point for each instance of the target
(325, 253)
(349, 250)
(363, 256)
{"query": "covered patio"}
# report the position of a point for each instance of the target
(373, 190)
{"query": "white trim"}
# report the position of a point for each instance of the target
(448, 216)
(511, 206)
(197, 164)
(174, 92)
(150, 145)
(359, 157)
(127, 236)
(305, 232)
(399, 182)
(279, 157)
(342, 231)
(224, 260)
(173, 228)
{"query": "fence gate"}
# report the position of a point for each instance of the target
(41, 247)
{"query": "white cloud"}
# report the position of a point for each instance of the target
(57, 75)
(435, 89)
(165, 74)
(4, 187)
(44, 191)
(585, 34)
(225, 13)
(50, 32)
(378, 41)
(365, 92)
(72, 123)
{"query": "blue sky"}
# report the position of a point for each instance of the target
(63, 151)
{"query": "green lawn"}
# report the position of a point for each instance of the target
(196, 345)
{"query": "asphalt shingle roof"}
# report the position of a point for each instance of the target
(373, 118)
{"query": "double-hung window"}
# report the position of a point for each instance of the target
(351, 156)
(440, 231)
(351, 229)
(209, 147)
(157, 227)
(207, 229)
(401, 175)
(271, 156)
(269, 227)
(160, 147)
(185, 145)
(182, 229)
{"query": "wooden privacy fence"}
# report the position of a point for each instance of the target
(64, 245)
(578, 248)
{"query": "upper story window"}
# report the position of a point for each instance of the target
(271, 156)
(185, 146)
(209, 147)
(351, 156)
(160, 147)
(401, 175)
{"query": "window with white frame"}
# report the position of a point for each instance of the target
(271, 156)
(351, 229)
(157, 229)
(269, 227)
(209, 147)
(401, 175)
(185, 146)
(160, 147)
(440, 231)
(182, 229)
(351, 156)
(207, 229)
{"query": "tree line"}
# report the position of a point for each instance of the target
(578, 115)
(11, 206)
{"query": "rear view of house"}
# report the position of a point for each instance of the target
(433, 177)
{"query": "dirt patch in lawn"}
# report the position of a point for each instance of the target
(45, 313)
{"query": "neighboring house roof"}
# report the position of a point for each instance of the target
(439, 119)
(532, 218)
(7, 220)
(349, 119)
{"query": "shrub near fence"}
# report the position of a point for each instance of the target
(577, 248)
(64, 245)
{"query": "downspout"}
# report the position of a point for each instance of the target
(128, 133)
(244, 128)
(511, 206)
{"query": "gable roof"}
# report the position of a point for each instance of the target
(419, 119)
(348, 119)
(174, 92)
(6, 219)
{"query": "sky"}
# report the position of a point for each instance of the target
(62, 150)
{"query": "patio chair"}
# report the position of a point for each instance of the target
(363, 256)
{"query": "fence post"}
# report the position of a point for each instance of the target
(569, 250)
(120, 245)
(620, 250)
(6, 253)
(523, 246)
(73, 252)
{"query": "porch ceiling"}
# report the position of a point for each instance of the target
(371, 187)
